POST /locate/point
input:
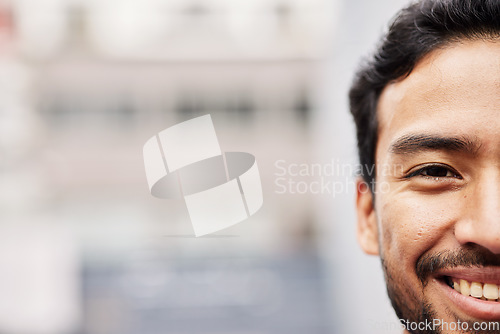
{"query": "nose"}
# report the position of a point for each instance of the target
(480, 223)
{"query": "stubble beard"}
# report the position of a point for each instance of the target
(412, 309)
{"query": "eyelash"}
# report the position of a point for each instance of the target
(421, 170)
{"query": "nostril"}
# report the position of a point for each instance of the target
(478, 233)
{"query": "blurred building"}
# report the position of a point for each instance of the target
(109, 74)
(86, 249)
(101, 77)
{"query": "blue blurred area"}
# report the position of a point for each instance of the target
(207, 295)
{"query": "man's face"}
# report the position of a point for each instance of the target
(436, 214)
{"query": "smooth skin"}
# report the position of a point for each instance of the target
(442, 193)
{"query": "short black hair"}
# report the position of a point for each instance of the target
(416, 30)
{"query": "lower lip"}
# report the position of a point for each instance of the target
(477, 308)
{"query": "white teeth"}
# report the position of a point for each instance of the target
(490, 291)
(476, 289)
(486, 291)
(464, 287)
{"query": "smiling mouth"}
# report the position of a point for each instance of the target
(479, 290)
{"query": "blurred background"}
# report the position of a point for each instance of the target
(85, 248)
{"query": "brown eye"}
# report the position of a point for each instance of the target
(436, 171)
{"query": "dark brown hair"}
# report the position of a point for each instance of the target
(416, 30)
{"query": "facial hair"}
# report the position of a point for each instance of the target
(412, 309)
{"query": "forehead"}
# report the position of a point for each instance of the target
(452, 91)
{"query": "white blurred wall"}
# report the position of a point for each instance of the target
(358, 293)
(87, 82)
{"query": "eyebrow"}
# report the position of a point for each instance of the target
(416, 143)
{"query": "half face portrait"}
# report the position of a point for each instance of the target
(427, 107)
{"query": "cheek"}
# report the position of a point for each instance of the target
(413, 224)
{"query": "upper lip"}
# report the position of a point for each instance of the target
(473, 274)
